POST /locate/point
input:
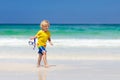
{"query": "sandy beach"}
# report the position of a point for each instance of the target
(63, 70)
(90, 64)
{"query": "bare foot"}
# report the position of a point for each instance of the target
(46, 66)
(38, 66)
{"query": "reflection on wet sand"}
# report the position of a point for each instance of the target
(42, 74)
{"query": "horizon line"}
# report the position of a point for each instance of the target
(60, 23)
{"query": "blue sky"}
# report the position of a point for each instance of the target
(60, 11)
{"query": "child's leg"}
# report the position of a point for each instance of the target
(39, 60)
(45, 59)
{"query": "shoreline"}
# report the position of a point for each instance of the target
(61, 53)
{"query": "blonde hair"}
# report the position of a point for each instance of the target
(44, 23)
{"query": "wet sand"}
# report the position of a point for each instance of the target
(62, 70)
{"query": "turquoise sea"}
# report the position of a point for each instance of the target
(79, 31)
(70, 35)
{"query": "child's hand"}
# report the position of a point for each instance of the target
(51, 43)
(32, 38)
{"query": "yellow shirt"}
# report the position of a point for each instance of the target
(42, 38)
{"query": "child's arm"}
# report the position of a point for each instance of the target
(34, 37)
(49, 39)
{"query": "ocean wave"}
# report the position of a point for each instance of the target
(65, 42)
(88, 42)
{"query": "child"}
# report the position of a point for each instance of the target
(43, 35)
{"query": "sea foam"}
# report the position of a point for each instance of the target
(65, 42)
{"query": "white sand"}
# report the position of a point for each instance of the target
(19, 63)
(17, 67)
(63, 70)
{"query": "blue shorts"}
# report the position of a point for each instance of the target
(41, 50)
